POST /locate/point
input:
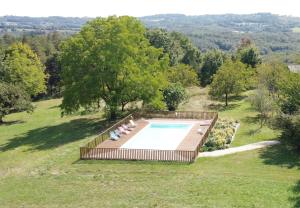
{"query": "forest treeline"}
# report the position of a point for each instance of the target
(277, 37)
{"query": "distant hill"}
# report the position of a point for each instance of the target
(18, 24)
(261, 22)
(272, 33)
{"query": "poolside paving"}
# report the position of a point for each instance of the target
(140, 124)
(193, 138)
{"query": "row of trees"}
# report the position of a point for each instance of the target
(277, 98)
(115, 60)
(276, 94)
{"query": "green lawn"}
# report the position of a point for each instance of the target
(39, 167)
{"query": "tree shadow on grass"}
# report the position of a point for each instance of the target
(285, 157)
(296, 197)
(8, 123)
(130, 162)
(281, 155)
(54, 107)
(54, 136)
(236, 98)
(251, 119)
(222, 107)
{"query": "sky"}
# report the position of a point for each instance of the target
(94, 8)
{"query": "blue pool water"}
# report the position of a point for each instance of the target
(161, 136)
(167, 126)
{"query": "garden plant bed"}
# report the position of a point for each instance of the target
(221, 136)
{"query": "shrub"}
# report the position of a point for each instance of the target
(13, 99)
(290, 126)
(173, 95)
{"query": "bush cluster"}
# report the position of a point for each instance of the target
(290, 126)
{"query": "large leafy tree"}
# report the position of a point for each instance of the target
(111, 59)
(288, 121)
(262, 102)
(53, 70)
(228, 80)
(183, 74)
(160, 38)
(13, 99)
(248, 53)
(271, 75)
(178, 47)
(191, 54)
(21, 66)
(212, 61)
(289, 91)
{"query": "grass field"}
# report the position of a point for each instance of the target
(39, 166)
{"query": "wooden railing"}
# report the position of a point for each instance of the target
(137, 154)
(90, 151)
(177, 114)
(205, 136)
(105, 134)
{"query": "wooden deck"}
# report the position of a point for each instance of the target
(141, 123)
(193, 138)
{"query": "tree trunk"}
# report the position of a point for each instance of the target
(171, 108)
(123, 107)
(113, 114)
(1, 120)
(98, 104)
(226, 99)
(261, 122)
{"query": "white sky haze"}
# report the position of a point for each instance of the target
(93, 8)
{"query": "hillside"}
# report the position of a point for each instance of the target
(272, 33)
(40, 167)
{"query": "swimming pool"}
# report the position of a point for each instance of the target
(159, 136)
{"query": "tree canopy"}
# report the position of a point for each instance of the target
(262, 102)
(248, 53)
(111, 59)
(178, 47)
(212, 61)
(228, 80)
(183, 74)
(289, 91)
(53, 70)
(271, 75)
(13, 99)
(21, 66)
(174, 94)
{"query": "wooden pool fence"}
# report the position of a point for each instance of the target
(91, 152)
